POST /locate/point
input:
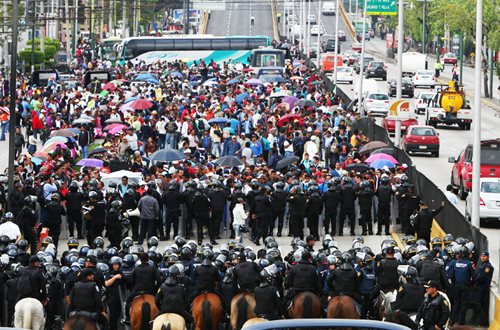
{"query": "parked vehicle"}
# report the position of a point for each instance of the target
(376, 103)
(407, 88)
(421, 139)
(461, 173)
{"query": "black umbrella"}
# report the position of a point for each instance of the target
(287, 162)
(357, 167)
(230, 161)
(305, 103)
(98, 150)
(167, 155)
(387, 151)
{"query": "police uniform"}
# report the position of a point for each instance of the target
(218, 202)
(245, 276)
(302, 277)
(347, 199)
(114, 304)
(114, 227)
(423, 222)
(297, 204)
(314, 207)
(345, 281)
(172, 199)
(411, 204)
(26, 220)
(331, 200)
(462, 276)
(384, 194)
(37, 283)
(429, 270)
(86, 297)
(268, 304)
(55, 211)
(481, 292)
(206, 279)
(279, 198)
(146, 279)
(367, 279)
(365, 198)
(410, 297)
(262, 207)
(172, 299)
(201, 208)
(387, 274)
(434, 311)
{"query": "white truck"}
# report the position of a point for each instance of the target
(413, 61)
(328, 8)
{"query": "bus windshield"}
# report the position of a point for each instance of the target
(268, 59)
(109, 49)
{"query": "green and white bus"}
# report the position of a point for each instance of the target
(189, 48)
(108, 49)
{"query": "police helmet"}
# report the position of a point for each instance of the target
(8, 216)
(298, 190)
(410, 239)
(98, 242)
(448, 239)
(172, 259)
(47, 240)
(73, 186)
(404, 179)
(128, 260)
(461, 241)
(464, 252)
(265, 277)
(115, 260)
(84, 250)
(358, 239)
(127, 243)
(346, 260)
(384, 180)
(102, 267)
(238, 247)
(22, 244)
(153, 241)
(346, 180)
(93, 195)
(73, 242)
(180, 241)
(421, 241)
(111, 252)
(436, 243)
(280, 185)
(173, 275)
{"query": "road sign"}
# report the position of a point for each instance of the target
(400, 110)
(381, 7)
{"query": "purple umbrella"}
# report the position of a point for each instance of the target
(290, 100)
(375, 157)
(254, 81)
(90, 162)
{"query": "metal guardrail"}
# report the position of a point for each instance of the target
(326, 324)
(205, 23)
(347, 22)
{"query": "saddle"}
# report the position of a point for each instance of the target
(140, 293)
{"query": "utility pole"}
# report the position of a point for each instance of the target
(5, 29)
(336, 42)
(13, 94)
(308, 32)
(362, 69)
(75, 22)
(124, 27)
(42, 35)
(318, 50)
(92, 29)
(67, 20)
(110, 18)
(401, 41)
(424, 45)
(461, 56)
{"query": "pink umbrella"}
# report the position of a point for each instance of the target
(140, 104)
(375, 157)
(112, 126)
(116, 129)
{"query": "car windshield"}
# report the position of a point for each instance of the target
(423, 131)
(341, 69)
(423, 73)
(380, 97)
(427, 96)
(450, 55)
(406, 81)
(490, 187)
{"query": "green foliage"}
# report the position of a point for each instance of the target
(50, 52)
(25, 55)
(468, 47)
(48, 42)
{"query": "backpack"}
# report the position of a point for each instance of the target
(171, 127)
(298, 145)
(39, 193)
(226, 134)
(201, 125)
(24, 284)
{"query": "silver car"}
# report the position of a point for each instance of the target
(376, 103)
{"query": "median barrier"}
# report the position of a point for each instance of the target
(347, 22)
(205, 23)
(276, 30)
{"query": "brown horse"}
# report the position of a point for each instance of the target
(80, 322)
(142, 310)
(305, 305)
(242, 307)
(342, 307)
(207, 311)
(169, 321)
(253, 321)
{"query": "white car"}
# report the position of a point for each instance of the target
(317, 29)
(292, 19)
(118, 175)
(489, 200)
(422, 102)
(344, 73)
(347, 54)
(424, 78)
(311, 19)
(376, 103)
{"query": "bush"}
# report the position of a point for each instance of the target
(25, 55)
(50, 52)
(48, 41)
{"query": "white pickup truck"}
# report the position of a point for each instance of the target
(412, 62)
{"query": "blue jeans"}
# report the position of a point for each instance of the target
(84, 152)
(342, 159)
(4, 129)
(31, 149)
(171, 141)
(288, 154)
(35, 133)
(161, 141)
(238, 233)
(216, 147)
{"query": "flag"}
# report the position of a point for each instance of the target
(104, 93)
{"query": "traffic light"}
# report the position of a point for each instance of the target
(30, 11)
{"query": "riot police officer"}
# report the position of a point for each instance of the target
(411, 204)
(130, 200)
(430, 270)
(201, 208)
(384, 194)
(171, 297)
(344, 280)
(435, 310)
(331, 198)
(268, 304)
(279, 198)
(387, 274)
(217, 198)
(245, 275)
(347, 199)
(410, 294)
(187, 197)
(423, 220)
(55, 211)
(114, 281)
(86, 297)
(254, 184)
(26, 220)
(297, 203)
(463, 277)
(367, 280)
(262, 210)
(314, 207)
(401, 190)
(114, 224)
(172, 199)
(365, 197)
(74, 200)
(303, 277)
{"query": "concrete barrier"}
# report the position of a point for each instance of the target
(347, 22)
(205, 23)
(276, 30)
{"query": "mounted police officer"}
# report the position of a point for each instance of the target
(410, 294)
(463, 277)
(146, 279)
(245, 275)
(435, 310)
(86, 297)
(303, 277)
(268, 304)
(344, 280)
(171, 297)
(207, 276)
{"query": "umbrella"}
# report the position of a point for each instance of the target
(229, 161)
(37, 160)
(86, 117)
(218, 120)
(131, 99)
(302, 68)
(247, 70)
(387, 151)
(306, 103)
(167, 155)
(116, 130)
(254, 81)
(241, 97)
(287, 118)
(125, 107)
(233, 81)
(239, 77)
(291, 100)
(143, 76)
(75, 131)
(296, 78)
(279, 94)
(122, 80)
(111, 126)
(210, 83)
(113, 121)
(98, 150)
(370, 146)
(153, 80)
(62, 132)
(287, 162)
(357, 167)
(53, 146)
(41, 154)
(90, 162)
(278, 79)
(6, 109)
(82, 121)
(140, 104)
(112, 85)
(176, 74)
(194, 83)
(381, 163)
(376, 157)
(286, 105)
(54, 139)
(317, 82)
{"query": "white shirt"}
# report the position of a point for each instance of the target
(451, 197)
(10, 229)
(239, 215)
(132, 140)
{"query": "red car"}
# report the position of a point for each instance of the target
(449, 58)
(461, 173)
(357, 47)
(352, 58)
(420, 138)
(390, 124)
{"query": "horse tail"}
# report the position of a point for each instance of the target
(307, 307)
(340, 308)
(165, 325)
(27, 317)
(146, 316)
(242, 306)
(207, 317)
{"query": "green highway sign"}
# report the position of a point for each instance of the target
(381, 7)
